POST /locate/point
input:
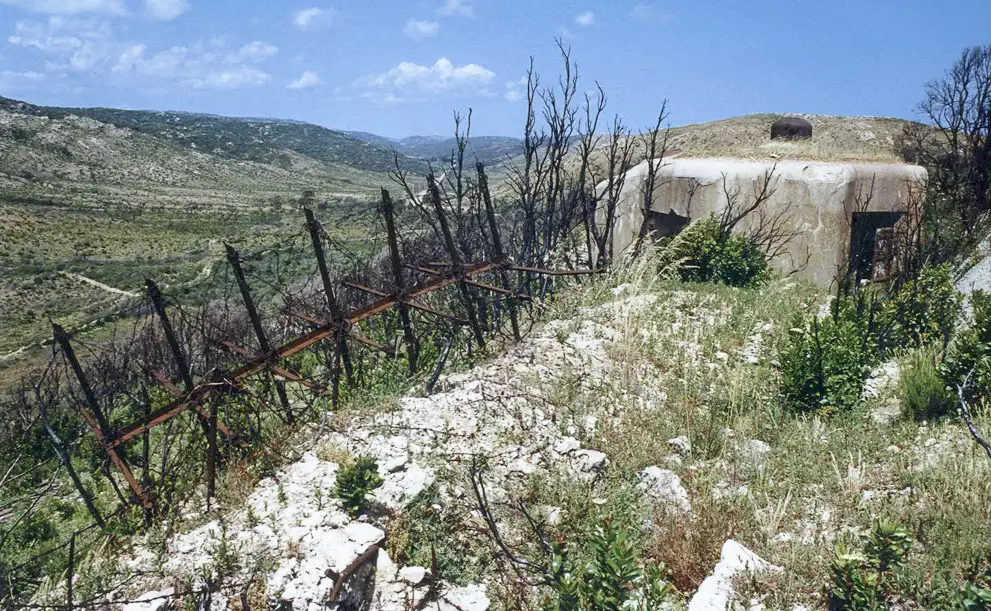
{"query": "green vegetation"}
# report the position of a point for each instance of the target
(355, 481)
(613, 579)
(922, 388)
(824, 365)
(861, 579)
(707, 253)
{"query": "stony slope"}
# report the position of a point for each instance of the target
(649, 403)
(268, 141)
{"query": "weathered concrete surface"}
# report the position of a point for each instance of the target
(817, 200)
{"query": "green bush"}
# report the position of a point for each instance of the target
(922, 388)
(861, 579)
(968, 362)
(924, 310)
(707, 254)
(355, 481)
(824, 364)
(613, 579)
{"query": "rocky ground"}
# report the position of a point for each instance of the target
(634, 400)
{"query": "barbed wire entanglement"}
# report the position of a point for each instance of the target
(146, 418)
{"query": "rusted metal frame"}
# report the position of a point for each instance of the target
(256, 322)
(158, 303)
(412, 304)
(159, 416)
(115, 458)
(395, 257)
(368, 289)
(350, 569)
(295, 346)
(336, 313)
(358, 338)
(483, 183)
(212, 455)
(476, 283)
(458, 266)
(204, 414)
(276, 369)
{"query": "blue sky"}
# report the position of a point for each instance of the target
(401, 68)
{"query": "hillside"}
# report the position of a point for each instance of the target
(833, 139)
(438, 149)
(269, 141)
(86, 204)
(636, 402)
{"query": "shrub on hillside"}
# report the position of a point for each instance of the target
(863, 579)
(613, 579)
(924, 310)
(355, 481)
(921, 387)
(968, 362)
(824, 364)
(705, 252)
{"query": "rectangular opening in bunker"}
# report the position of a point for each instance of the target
(662, 225)
(873, 251)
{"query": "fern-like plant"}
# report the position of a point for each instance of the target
(355, 481)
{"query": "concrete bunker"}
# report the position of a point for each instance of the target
(837, 226)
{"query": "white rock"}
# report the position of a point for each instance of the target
(588, 461)
(567, 445)
(716, 592)
(400, 488)
(681, 444)
(467, 598)
(665, 486)
(151, 601)
(413, 575)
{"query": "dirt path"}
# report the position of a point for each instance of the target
(100, 285)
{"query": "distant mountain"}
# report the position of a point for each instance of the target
(260, 140)
(438, 149)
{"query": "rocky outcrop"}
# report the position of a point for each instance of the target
(716, 592)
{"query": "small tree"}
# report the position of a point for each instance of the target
(958, 152)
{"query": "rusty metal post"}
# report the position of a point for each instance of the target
(211, 454)
(336, 313)
(158, 303)
(388, 211)
(62, 339)
(457, 264)
(70, 569)
(280, 388)
(66, 461)
(483, 185)
(94, 416)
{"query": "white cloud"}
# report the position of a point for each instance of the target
(82, 44)
(585, 19)
(647, 13)
(257, 50)
(312, 18)
(307, 80)
(515, 89)
(456, 7)
(442, 76)
(236, 78)
(418, 30)
(165, 10)
(210, 66)
(69, 7)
